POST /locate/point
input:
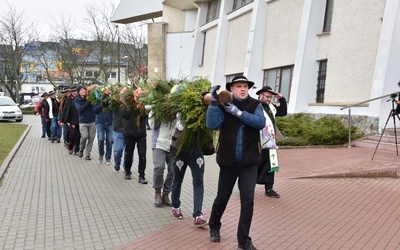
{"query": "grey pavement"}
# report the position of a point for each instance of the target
(52, 200)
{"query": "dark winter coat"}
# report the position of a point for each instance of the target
(85, 109)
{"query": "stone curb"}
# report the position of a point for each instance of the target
(389, 173)
(6, 163)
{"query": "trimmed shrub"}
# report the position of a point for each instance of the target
(301, 130)
(326, 131)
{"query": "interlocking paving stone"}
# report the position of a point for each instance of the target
(52, 200)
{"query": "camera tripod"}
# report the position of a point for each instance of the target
(392, 115)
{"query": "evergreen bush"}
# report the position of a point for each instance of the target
(301, 130)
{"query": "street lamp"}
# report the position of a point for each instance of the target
(126, 69)
(119, 59)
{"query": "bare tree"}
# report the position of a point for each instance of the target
(71, 55)
(103, 34)
(134, 46)
(15, 33)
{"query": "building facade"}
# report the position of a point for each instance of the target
(322, 55)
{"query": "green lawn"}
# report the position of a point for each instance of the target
(9, 135)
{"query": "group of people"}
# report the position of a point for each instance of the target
(241, 155)
(79, 121)
(72, 117)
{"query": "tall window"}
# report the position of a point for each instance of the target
(321, 81)
(280, 80)
(328, 15)
(239, 3)
(230, 77)
(213, 10)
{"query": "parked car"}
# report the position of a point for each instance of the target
(29, 105)
(9, 110)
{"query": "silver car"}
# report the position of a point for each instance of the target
(9, 110)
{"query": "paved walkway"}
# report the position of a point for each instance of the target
(51, 200)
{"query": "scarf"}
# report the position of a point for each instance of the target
(50, 107)
(267, 136)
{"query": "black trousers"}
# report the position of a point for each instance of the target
(74, 138)
(130, 143)
(247, 177)
(264, 175)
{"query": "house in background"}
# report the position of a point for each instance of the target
(47, 65)
(320, 54)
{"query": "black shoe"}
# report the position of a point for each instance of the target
(43, 136)
(116, 168)
(88, 158)
(247, 246)
(272, 193)
(214, 235)
(58, 141)
(80, 154)
(142, 180)
(52, 140)
(128, 177)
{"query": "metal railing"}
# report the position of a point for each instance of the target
(359, 103)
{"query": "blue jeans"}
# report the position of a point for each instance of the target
(55, 128)
(65, 132)
(104, 133)
(119, 146)
(195, 160)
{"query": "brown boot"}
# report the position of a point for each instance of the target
(165, 199)
(158, 201)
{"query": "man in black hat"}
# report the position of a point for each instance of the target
(269, 164)
(42, 109)
(238, 154)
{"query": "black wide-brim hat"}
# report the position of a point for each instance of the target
(238, 79)
(266, 89)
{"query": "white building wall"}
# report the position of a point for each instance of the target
(351, 51)
(362, 49)
(282, 33)
(205, 69)
(238, 35)
(387, 65)
(179, 55)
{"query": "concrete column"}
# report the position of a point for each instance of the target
(306, 67)
(156, 51)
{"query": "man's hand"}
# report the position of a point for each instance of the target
(214, 95)
(232, 109)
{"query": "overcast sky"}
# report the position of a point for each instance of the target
(42, 12)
